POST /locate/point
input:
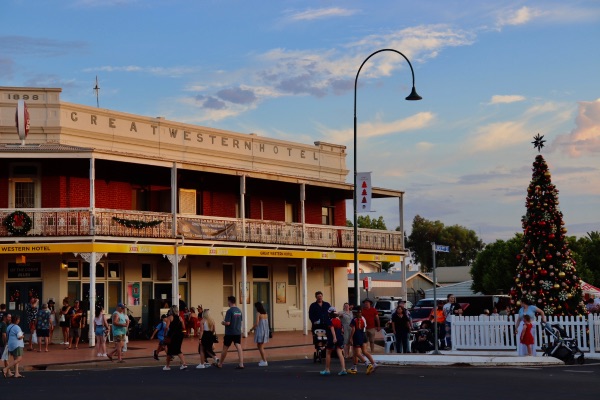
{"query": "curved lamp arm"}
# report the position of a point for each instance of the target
(412, 96)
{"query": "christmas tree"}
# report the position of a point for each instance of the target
(546, 273)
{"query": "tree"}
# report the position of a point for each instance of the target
(494, 268)
(546, 273)
(464, 243)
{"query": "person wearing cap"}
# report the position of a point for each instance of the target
(335, 341)
(76, 317)
(120, 323)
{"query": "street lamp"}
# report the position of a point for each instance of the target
(412, 96)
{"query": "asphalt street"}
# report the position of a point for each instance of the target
(300, 379)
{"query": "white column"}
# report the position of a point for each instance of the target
(92, 258)
(244, 296)
(403, 263)
(302, 211)
(243, 205)
(174, 260)
(304, 297)
(174, 199)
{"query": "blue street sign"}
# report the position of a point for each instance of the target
(442, 249)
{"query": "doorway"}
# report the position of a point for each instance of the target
(261, 292)
(18, 294)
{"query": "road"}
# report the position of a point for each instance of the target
(290, 380)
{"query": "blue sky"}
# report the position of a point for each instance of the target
(492, 75)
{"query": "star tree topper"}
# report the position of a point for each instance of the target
(538, 142)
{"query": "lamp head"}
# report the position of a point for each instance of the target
(413, 95)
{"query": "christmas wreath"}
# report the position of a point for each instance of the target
(17, 223)
(130, 223)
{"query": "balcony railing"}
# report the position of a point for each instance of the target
(143, 224)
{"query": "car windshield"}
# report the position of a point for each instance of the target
(383, 305)
(417, 313)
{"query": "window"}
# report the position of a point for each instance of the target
(292, 288)
(146, 271)
(290, 212)
(73, 269)
(100, 270)
(260, 272)
(25, 188)
(327, 215)
(227, 282)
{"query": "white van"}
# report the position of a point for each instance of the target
(386, 306)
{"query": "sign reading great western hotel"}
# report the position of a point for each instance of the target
(114, 131)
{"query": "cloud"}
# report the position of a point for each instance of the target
(321, 13)
(518, 17)
(585, 138)
(505, 99)
(237, 95)
(378, 128)
(177, 71)
(211, 102)
(43, 47)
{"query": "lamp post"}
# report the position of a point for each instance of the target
(412, 96)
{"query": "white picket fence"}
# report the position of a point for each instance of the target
(498, 332)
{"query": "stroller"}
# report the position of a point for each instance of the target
(320, 342)
(560, 346)
(423, 341)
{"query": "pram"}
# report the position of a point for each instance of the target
(560, 346)
(423, 341)
(320, 342)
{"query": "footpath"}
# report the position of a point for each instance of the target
(283, 346)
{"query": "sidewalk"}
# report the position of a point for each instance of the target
(283, 346)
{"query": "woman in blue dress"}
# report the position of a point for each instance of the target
(261, 332)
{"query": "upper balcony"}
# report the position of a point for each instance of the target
(63, 222)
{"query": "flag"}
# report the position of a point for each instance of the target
(363, 191)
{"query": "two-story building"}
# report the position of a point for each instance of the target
(111, 207)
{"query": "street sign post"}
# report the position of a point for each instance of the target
(442, 249)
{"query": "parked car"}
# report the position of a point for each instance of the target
(386, 306)
(428, 302)
(418, 315)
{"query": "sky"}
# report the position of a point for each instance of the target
(492, 75)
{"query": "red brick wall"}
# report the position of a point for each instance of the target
(3, 192)
(219, 204)
(115, 195)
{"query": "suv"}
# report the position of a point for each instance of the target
(386, 306)
(428, 302)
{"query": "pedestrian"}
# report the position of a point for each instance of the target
(160, 331)
(526, 337)
(261, 332)
(451, 309)
(43, 327)
(100, 330)
(63, 320)
(346, 318)
(233, 333)
(52, 317)
(335, 341)
(4, 321)
(120, 324)
(175, 335)
(401, 328)
(317, 312)
(527, 309)
(76, 320)
(192, 323)
(15, 347)
(438, 316)
(358, 339)
(31, 311)
(208, 337)
(373, 326)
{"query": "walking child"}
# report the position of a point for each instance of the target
(358, 338)
(526, 336)
(160, 331)
(335, 341)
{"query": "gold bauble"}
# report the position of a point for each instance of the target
(556, 286)
(561, 274)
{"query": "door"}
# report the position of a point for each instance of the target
(162, 293)
(261, 293)
(18, 294)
